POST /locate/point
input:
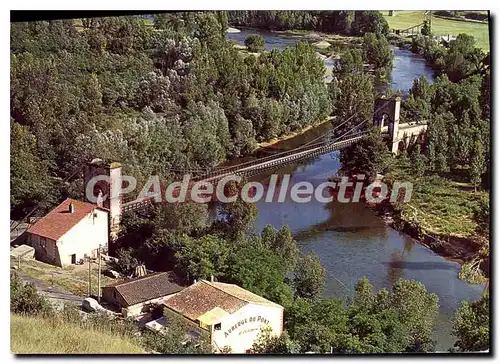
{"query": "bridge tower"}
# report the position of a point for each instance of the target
(386, 117)
(106, 192)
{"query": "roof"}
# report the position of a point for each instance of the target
(59, 221)
(147, 288)
(243, 294)
(203, 296)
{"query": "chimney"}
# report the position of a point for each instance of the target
(194, 281)
(71, 208)
(211, 278)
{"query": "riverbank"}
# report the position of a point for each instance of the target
(291, 135)
(443, 215)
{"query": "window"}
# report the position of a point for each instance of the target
(43, 242)
(217, 326)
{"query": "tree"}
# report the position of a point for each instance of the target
(376, 51)
(260, 270)
(29, 174)
(458, 60)
(437, 141)
(255, 43)
(235, 218)
(418, 161)
(369, 156)
(471, 325)
(202, 258)
(309, 277)
(126, 263)
(350, 62)
(478, 165)
(267, 343)
(426, 29)
(417, 309)
(355, 101)
(283, 244)
(369, 22)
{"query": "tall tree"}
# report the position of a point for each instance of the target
(309, 277)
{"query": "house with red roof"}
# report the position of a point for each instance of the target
(69, 233)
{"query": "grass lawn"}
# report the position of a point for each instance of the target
(36, 335)
(406, 19)
(440, 205)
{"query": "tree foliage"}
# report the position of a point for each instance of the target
(346, 22)
(255, 42)
(153, 98)
(309, 277)
(25, 300)
(369, 156)
(471, 325)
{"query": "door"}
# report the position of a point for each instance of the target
(73, 258)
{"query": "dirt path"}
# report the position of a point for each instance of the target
(56, 295)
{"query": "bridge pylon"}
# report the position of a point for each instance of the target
(386, 118)
(106, 188)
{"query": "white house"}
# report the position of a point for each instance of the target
(229, 315)
(69, 232)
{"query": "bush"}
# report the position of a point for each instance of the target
(255, 43)
(25, 300)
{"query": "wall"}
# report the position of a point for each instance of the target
(84, 238)
(406, 133)
(47, 254)
(239, 330)
(111, 295)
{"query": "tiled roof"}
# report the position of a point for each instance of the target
(204, 296)
(147, 288)
(59, 221)
(243, 294)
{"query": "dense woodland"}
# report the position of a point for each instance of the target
(178, 94)
(342, 22)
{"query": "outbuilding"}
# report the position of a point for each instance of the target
(135, 296)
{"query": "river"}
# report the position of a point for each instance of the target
(350, 239)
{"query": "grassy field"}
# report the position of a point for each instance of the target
(406, 19)
(440, 205)
(36, 335)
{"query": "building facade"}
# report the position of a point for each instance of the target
(69, 233)
(229, 315)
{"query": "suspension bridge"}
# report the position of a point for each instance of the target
(385, 117)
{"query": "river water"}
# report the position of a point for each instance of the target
(350, 239)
